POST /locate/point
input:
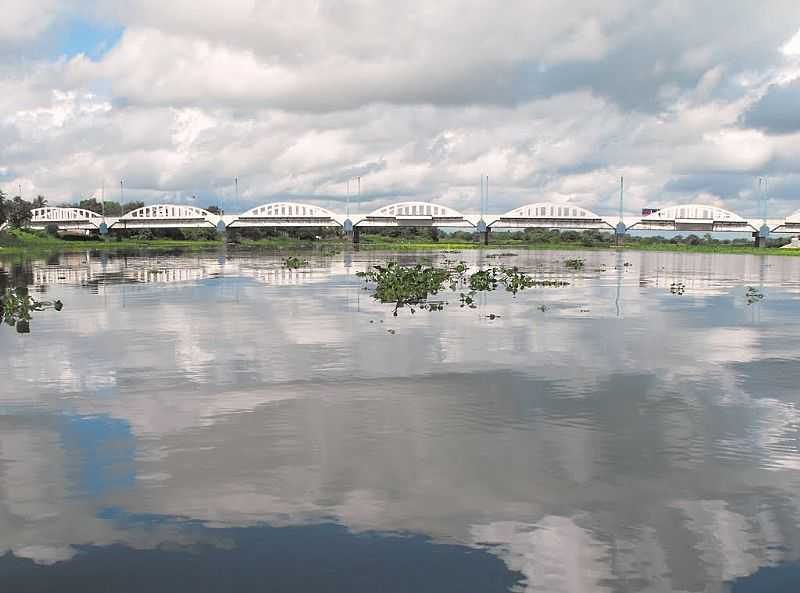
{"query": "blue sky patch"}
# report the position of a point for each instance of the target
(94, 39)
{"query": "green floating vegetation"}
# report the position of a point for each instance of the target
(574, 264)
(677, 288)
(413, 286)
(294, 263)
(753, 295)
(17, 308)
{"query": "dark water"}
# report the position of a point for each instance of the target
(212, 423)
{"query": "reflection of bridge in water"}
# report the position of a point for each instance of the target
(645, 269)
(89, 271)
(542, 215)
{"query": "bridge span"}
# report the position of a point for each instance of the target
(539, 215)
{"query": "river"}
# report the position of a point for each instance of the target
(218, 422)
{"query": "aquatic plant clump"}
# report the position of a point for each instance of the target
(404, 285)
(574, 264)
(17, 308)
(293, 263)
(414, 285)
(753, 295)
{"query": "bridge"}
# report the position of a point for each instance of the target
(540, 215)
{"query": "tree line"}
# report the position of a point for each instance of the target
(16, 211)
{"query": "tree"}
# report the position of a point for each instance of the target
(3, 207)
(214, 210)
(131, 206)
(19, 212)
(39, 202)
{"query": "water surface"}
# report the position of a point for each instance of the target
(216, 422)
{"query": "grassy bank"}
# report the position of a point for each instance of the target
(15, 242)
(734, 249)
(377, 243)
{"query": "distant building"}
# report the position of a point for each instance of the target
(649, 211)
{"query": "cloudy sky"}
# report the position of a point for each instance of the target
(690, 101)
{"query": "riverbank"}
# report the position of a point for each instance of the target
(17, 242)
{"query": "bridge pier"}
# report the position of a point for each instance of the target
(619, 234)
(759, 241)
(486, 236)
(354, 236)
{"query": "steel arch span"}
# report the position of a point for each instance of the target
(693, 217)
(794, 217)
(166, 216)
(65, 218)
(287, 214)
(416, 214)
(166, 212)
(550, 215)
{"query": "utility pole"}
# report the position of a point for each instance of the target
(482, 227)
(481, 206)
(347, 200)
(619, 231)
(103, 228)
(763, 233)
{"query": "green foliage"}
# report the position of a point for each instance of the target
(198, 234)
(111, 208)
(414, 285)
(753, 295)
(677, 288)
(17, 308)
(406, 285)
(143, 235)
(294, 263)
(18, 212)
(574, 264)
(484, 280)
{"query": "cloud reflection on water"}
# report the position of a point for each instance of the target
(639, 452)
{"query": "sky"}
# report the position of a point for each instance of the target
(690, 101)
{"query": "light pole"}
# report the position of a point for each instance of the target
(619, 231)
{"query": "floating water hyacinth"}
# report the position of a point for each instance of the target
(17, 308)
(753, 295)
(294, 263)
(414, 286)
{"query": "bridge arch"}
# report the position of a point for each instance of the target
(694, 212)
(550, 215)
(288, 210)
(551, 210)
(288, 215)
(794, 217)
(166, 212)
(63, 214)
(415, 209)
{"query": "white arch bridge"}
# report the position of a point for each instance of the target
(541, 215)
